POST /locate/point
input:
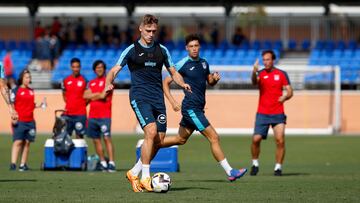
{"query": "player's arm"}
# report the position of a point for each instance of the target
(178, 79)
(213, 78)
(254, 76)
(6, 95)
(166, 87)
(109, 86)
(89, 95)
(287, 95)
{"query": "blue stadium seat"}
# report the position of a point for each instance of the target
(2, 45)
(11, 45)
(218, 53)
(352, 44)
(305, 45)
(292, 44)
(320, 45)
(245, 45)
(341, 45)
(256, 45)
(278, 45)
(267, 44)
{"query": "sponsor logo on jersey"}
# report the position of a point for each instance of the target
(149, 63)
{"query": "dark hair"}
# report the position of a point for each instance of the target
(273, 56)
(21, 75)
(149, 19)
(75, 60)
(97, 62)
(192, 37)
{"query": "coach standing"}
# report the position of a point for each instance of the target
(271, 82)
(74, 87)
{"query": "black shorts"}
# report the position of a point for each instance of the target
(264, 121)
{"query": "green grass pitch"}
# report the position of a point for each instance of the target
(317, 169)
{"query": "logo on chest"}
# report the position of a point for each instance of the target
(79, 83)
(203, 65)
(276, 77)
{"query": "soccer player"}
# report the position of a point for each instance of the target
(74, 87)
(6, 94)
(195, 71)
(24, 130)
(145, 59)
(271, 82)
(99, 122)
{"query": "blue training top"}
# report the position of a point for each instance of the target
(195, 73)
(2, 71)
(145, 64)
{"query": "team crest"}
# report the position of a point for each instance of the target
(31, 93)
(276, 77)
(203, 65)
(104, 128)
(101, 83)
(32, 132)
(79, 126)
(161, 119)
(79, 83)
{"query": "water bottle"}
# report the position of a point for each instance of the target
(44, 103)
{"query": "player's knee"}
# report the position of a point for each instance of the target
(280, 143)
(214, 139)
(181, 140)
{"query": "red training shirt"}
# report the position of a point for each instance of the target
(99, 108)
(74, 88)
(24, 102)
(271, 85)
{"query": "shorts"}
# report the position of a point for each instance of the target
(263, 122)
(24, 131)
(147, 113)
(77, 123)
(194, 119)
(99, 127)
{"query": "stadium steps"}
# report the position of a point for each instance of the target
(41, 79)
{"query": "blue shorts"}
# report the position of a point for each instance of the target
(194, 119)
(263, 122)
(77, 123)
(24, 131)
(147, 113)
(98, 127)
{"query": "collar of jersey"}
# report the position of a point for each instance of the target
(146, 46)
(189, 58)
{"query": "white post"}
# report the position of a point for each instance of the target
(337, 102)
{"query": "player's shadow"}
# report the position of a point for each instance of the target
(189, 188)
(209, 181)
(17, 180)
(295, 174)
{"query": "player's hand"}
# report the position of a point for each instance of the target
(216, 76)
(187, 87)
(256, 66)
(109, 88)
(282, 99)
(14, 115)
(176, 106)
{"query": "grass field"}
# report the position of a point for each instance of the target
(317, 169)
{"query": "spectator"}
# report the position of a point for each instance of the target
(105, 35)
(116, 36)
(238, 37)
(8, 65)
(215, 34)
(56, 26)
(39, 30)
(54, 49)
(65, 36)
(42, 51)
(97, 32)
(79, 32)
(162, 34)
(130, 32)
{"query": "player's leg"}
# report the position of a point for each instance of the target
(260, 132)
(214, 139)
(110, 151)
(15, 150)
(24, 156)
(279, 135)
(94, 132)
(180, 139)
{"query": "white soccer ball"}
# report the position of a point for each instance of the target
(161, 182)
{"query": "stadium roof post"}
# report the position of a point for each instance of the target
(228, 7)
(130, 8)
(33, 7)
(327, 22)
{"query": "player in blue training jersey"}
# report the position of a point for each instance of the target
(145, 59)
(196, 73)
(6, 94)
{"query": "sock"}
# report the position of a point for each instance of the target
(255, 162)
(145, 171)
(22, 164)
(137, 168)
(103, 163)
(277, 166)
(112, 163)
(226, 166)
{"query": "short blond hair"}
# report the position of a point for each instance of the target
(149, 19)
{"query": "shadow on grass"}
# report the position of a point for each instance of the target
(209, 181)
(295, 174)
(18, 180)
(189, 188)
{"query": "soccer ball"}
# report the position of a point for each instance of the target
(161, 182)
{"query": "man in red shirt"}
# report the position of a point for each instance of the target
(99, 123)
(6, 93)
(271, 82)
(75, 105)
